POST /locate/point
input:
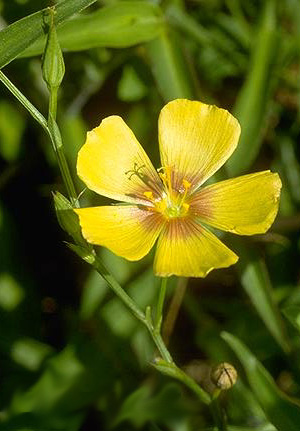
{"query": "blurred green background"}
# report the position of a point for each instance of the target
(71, 356)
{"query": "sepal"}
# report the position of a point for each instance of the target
(67, 218)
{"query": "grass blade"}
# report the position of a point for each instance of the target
(256, 282)
(169, 67)
(252, 101)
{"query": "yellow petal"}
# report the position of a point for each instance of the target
(187, 249)
(196, 139)
(245, 205)
(113, 163)
(128, 231)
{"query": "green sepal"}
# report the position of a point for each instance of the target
(67, 218)
(85, 253)
(53, 63)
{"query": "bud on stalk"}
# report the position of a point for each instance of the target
(53, 66)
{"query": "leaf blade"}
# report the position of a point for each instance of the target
(119, 25)
(252, 102)
(282, 411)
(16, 37)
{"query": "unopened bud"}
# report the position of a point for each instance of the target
(53, 62)
(224, 376)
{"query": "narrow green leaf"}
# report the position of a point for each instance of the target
(292, 313)
(256, 282)
(266, 427)
(288, 154)
(186, 23)
(21, 34)
(169, 67)
(119, 25)
(282, 411)
(215, 43)
(252, 102)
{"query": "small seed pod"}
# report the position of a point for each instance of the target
(224, 376)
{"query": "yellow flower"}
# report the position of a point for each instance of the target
(170, 205)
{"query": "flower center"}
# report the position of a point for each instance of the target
(172, 203)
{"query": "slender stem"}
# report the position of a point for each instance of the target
(53, 102)
(58, 147)
(218, 413)
(52, 130)
(190, 383)
(161, 346)
(174, 308)
(160, 304)
(156, 337)
(24, 101)
(118, 290)
(136, 311)
(171, 369)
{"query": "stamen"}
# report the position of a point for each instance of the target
(186, 185)
(166, 178)
(149, 195)
(135, 171)
(186, 207)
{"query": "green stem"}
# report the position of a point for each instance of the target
(52, 130)
(190, 383)
(171, 370)
(156, 337)
(160, 304)
(58, 147)
(53, 102)
(217, 412)
(118, 290)
(136, 311)
(161, 346)
(24, 101)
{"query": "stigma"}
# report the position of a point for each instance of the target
(172, 202)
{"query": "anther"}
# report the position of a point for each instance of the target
(186, 184)
(149, 195)
(186, 207)
(166, 178)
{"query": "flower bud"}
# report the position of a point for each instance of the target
(224, 376)
(53, 63)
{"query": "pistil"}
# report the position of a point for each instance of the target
(172, 202)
